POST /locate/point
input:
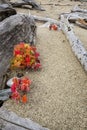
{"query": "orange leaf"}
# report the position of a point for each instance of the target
(16, 81)
(24, 98)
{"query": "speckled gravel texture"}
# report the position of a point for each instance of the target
(58, 96)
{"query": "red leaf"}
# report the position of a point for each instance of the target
(53, 27)
(13, 87)
(16, 52)
(25, 80)
(25, 87)
(16, 96)
(37, 54)
(33, 48)
(27, 59)
(37, 66)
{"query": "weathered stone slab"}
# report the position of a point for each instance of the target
(6, 9)
(11, 121)
(76, 45)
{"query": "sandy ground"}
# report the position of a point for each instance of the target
(58, 96)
